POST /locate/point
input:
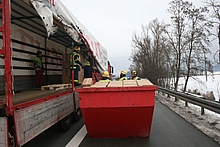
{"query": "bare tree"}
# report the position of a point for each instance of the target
(215, 15)
(163, 53)
(176, 36)
(147, 56)
(197, 39)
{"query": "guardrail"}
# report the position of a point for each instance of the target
(204, 103)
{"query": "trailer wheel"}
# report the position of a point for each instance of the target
(77, 115)
(66, 123)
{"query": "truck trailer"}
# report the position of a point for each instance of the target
(28, 26)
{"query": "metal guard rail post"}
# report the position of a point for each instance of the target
(210, 105)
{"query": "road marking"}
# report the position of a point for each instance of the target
(77, 139)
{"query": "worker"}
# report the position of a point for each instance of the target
(39, 68)
(123, 75)
(134, 75)
(87, 67)
(75, 64)
(105, 77)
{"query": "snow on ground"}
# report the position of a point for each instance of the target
(209, 123)
(203, 86)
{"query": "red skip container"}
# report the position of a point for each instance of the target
(117, 112)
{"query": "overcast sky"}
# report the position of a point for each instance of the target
(113, 22)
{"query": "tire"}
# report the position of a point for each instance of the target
(66, 123)
(77, 115)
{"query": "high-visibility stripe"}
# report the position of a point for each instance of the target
(123, 78)
(86, 63)
(136, 78)
(39, 61)
(72, 61)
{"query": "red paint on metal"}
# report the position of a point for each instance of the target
(1, 51)
(96, 76)
(52, 2)
(117, 112)
(6, 12)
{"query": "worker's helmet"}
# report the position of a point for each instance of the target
(134, 72)
(77, 48)
(105, 74)
(123, 72)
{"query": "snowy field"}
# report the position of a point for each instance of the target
(203, 86)
(209, 123)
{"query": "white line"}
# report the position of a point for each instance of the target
(77, 139)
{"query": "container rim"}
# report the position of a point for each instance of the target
(111, 89)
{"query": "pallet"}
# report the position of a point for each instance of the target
(56, 86)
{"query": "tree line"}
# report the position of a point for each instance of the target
(165, 52)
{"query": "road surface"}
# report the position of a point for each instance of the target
(168, 130)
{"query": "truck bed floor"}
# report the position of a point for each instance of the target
(26, 96)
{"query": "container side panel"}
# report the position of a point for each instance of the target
(33, 120)
(118, 122)
(118, 112)
(3, 132)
